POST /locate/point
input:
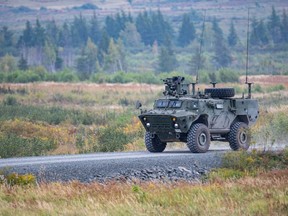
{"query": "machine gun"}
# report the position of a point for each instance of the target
(175, 87)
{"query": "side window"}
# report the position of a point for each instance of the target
(175, 104)
(162, 103)
(194, 105)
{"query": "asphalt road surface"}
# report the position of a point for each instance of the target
(102, 166)
(168, 165)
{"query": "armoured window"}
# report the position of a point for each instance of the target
(175, 104)
(170, 104)
(194, 105)
(162, 103)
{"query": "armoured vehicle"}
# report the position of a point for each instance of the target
(184, 115)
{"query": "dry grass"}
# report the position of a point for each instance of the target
(266, 194)
(81, 95)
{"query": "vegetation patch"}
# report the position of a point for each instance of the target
(236, 165)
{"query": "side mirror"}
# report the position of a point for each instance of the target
(138, 104)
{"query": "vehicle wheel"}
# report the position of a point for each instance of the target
(220, 92)
(239, 136)
(154, 144)
(198, 139)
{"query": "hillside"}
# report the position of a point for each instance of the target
(14, 12)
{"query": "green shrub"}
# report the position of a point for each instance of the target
(26, 77)
(15, 146)
(17, 179)
(112, 138)
(10, 101)
(255, 161)
(224, 174)
(279, 87)
(67, 76)
(227, 75)
(257, 88)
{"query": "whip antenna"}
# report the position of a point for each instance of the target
(247, 56)
(247, 46)
(200, 48)
(199, 55)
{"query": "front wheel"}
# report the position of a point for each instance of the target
(153, 143)
(198, 139)
(239, 136)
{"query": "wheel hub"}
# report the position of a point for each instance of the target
(243, 137)
(202, 139)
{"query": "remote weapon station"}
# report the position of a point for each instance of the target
(184, 115)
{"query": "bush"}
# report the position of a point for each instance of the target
(279, 87)
(227, 75)
(10, 101)
(239, 164)
(112, 138)
(258, 88)
(16, 146)
(255, 161)
(17, 179)
(123, 130)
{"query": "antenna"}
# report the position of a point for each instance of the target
(200, 48)
(200, 52)
(247, 56)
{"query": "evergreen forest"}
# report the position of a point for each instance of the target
(122, 48)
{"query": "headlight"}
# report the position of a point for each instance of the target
(148, 125)
(176, 125)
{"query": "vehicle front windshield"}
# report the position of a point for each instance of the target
(168, 104)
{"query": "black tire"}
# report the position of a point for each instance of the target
(239, 136)
(220, 92)
(198, 139)
(154, 144)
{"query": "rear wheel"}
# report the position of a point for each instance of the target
(198, 139)
(153, 143)
(239, 136)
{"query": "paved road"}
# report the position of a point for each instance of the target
(90, 167)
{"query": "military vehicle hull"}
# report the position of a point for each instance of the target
(199, 118)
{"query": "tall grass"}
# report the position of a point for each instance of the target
(263, 195)
(53, 115)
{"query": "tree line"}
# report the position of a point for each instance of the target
(90, 46)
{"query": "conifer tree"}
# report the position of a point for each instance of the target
(232, 37)
(49, 59)
(131, 37)
(65, 37)
(274, 26)
(6, 41)
(79, 31)
(39, 35)
(22, 64)
(87, 63)
(187, 32)
(52, 32)
(258, 35)
(95, 31)
(103, 46)
(221, 54)
(167, 61)
(112, 58)
(284, 27)
(27, 38)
